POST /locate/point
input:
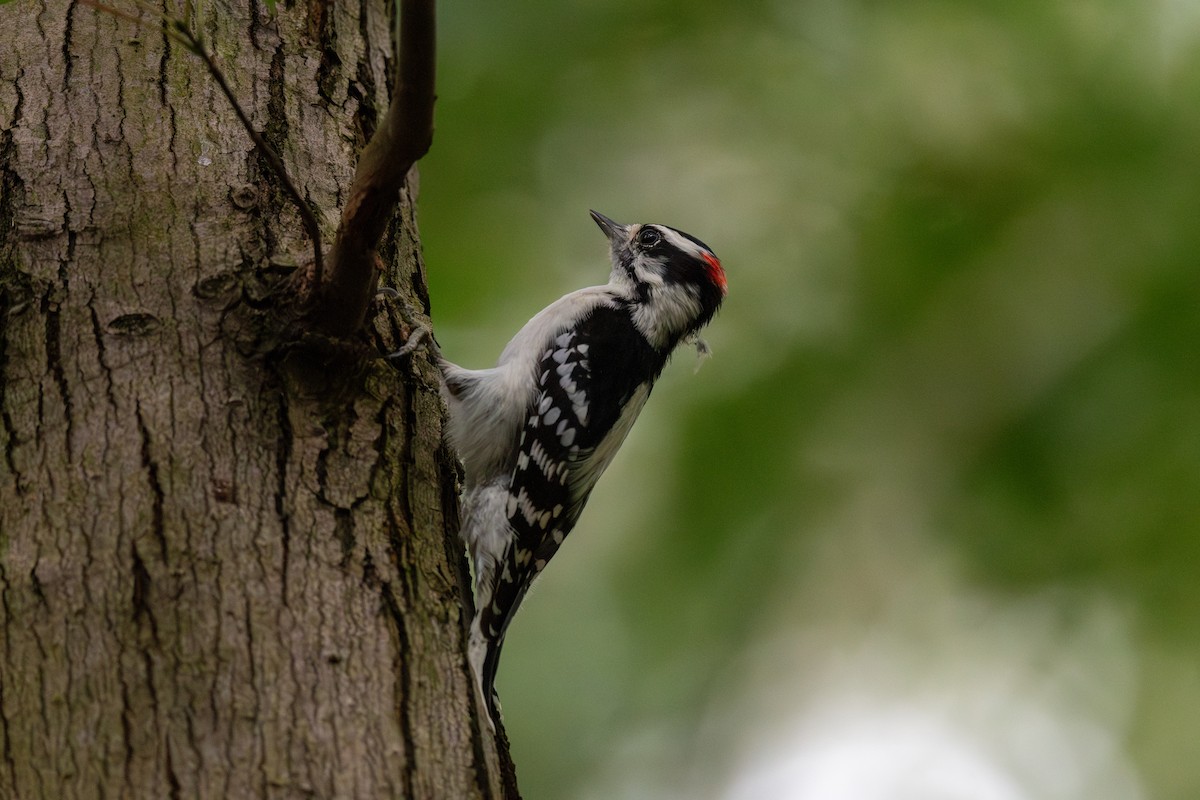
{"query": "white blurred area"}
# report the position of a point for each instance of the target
(970, 718)
(923, 690)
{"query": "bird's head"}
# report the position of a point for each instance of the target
(675, 280)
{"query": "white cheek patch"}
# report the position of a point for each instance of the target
(667, 312)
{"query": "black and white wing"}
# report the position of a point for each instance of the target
(592, 381)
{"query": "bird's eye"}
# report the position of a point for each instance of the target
(648, 237)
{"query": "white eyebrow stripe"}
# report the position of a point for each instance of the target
(681, 242)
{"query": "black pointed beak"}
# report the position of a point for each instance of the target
(611, 229)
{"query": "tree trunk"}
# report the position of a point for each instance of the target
(228, 564)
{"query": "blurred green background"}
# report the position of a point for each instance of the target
(927, 525)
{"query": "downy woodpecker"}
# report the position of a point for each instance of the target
(536, 431)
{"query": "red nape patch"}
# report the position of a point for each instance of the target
(716, 272)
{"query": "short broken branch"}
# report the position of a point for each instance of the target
(339, 298)
(339, 289)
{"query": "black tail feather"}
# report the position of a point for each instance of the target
(491, 662)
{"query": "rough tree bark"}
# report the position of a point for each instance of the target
(228, 564)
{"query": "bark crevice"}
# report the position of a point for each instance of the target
(283, 457)
(55, 368)
(6, 749)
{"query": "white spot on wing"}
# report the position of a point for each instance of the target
(528, 510)
(589, 471)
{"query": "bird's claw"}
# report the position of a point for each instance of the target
(414, 340)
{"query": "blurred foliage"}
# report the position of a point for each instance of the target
(955, 383)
